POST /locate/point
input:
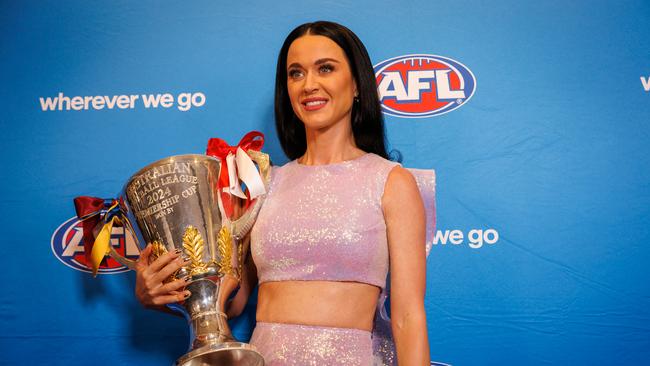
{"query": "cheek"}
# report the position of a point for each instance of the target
(297, 110)
(346, 88)
(293, 96)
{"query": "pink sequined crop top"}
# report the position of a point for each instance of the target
(324, 222)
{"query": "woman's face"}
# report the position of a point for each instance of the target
(319, 82)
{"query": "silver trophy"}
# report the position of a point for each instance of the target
(175, 203)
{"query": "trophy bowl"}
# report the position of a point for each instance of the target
(175, 204)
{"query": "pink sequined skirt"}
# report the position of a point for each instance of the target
(295, 344)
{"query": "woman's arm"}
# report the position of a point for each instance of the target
(246, 286)
(405, 226)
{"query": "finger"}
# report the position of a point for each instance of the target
(163, 260)
(158, 292)
(170, 269)
(168, 299)
(143, 259)
(175, 286)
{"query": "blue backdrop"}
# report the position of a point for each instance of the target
(548, 163)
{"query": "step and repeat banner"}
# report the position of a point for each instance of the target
(535, 116)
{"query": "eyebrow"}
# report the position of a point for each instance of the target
(320, 61)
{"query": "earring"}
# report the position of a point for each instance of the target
(356, 97)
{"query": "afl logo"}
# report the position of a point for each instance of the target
(67, 246)
(418, 86)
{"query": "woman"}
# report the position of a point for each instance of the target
(335, 218)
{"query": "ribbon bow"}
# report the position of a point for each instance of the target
(237, 167)
(89, 211)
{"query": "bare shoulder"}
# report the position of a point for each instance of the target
(401, 188)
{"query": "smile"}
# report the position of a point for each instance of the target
(313, 104)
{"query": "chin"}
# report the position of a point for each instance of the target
(317, 123)
(322, 122)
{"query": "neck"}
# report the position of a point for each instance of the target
(330, 145)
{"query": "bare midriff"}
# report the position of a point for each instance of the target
(321, 303)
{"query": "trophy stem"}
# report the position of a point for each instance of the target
(206, 317)
(211, 342)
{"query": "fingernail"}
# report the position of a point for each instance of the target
(187, 278)
(187, 294)
(177, 251)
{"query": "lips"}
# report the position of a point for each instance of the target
(313, 104)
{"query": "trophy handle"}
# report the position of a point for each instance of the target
(129, 263)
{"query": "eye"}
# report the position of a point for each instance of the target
(295, 73)
(326, 68)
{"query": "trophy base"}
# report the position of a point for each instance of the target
(226, 354)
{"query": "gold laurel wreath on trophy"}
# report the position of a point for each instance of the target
(194, 247)
(158, 250)
(224, 244)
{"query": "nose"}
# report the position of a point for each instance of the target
(311, 83)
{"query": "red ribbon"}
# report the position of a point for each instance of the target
(219, 148)
(88, 210)
(86, 205)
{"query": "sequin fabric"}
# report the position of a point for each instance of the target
(302, 345)
(325, 222)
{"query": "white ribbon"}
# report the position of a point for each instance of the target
(241, 167)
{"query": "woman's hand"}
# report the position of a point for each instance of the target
(150, 289)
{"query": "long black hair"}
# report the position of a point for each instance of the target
(367, 119)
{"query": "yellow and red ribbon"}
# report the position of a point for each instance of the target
(92, 211)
